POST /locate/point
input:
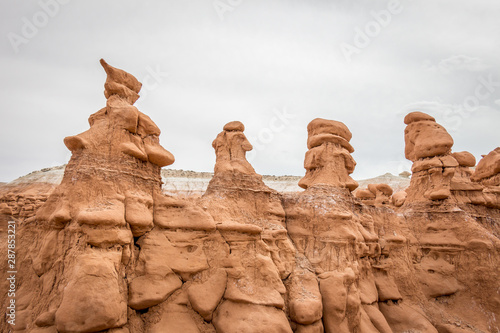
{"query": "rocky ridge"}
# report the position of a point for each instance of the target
(109, 251)
(183, 182)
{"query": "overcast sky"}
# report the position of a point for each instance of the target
(274, 65)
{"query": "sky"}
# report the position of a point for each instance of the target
(274, 65)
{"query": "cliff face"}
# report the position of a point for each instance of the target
(108, 251)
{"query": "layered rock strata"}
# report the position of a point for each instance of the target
(107, 251)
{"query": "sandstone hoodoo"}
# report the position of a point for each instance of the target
(107, 251)
(105, 199)
(440, 174)
(428, 146)
(251, 220)
(328, 160)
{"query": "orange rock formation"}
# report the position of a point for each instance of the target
(108, 252)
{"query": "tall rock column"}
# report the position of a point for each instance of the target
(251, 219)
(428, 146)
(325, 292)
(444, 223)
(328, 160)
(88, 224)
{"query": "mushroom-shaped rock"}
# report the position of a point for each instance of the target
(322, 126)
(487, 175)
(382, 188)
(424, 137)
(323, 130)
(230, 147)
(463, 189)
(428, 145)
(417, 116)
(328, 160)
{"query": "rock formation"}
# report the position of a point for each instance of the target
(89, 222)
(107, 251)
(342, 250)
(428, 146)
(487, 174)
(328, 160)
(446, 221)
(251, 220)
(375, 194)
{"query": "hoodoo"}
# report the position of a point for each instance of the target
(107, 251)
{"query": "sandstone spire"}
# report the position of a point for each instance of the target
(230, 147)
(339, 263)
(250, 217)
(328, 160)
(106, 198)
(428, 146)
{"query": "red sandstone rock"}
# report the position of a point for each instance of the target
(328, 160)
(108, 252)
(487, 175)
(463, 189)
(399, 198)
(375, 194)
(424, 137)
(428, 145)
(105, 198)
(365, 194)
(464, 158)
(488, 166)
(230, 147)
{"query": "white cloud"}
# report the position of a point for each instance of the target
(461, 63)
(457, 63)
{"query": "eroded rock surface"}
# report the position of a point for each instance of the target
(107, 251)
(328, 160)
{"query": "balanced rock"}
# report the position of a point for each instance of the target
(424, 137)
(230, 147)
(428, 146)
(328, 160)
